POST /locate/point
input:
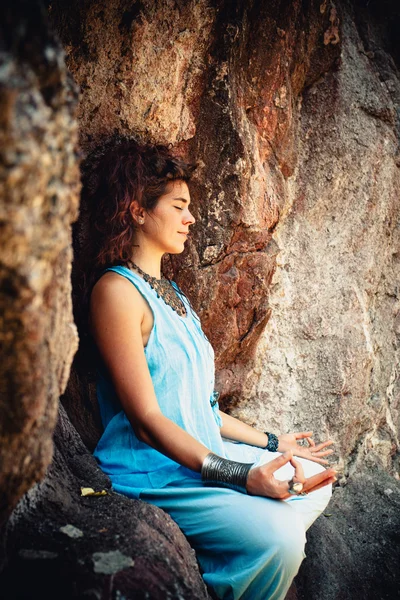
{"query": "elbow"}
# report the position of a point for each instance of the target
(145, 428)
(141, 432)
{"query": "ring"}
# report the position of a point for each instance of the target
(296, 488)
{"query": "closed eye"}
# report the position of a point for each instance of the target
(178, 207)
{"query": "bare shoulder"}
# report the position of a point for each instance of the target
(113, 294)
(115, 320)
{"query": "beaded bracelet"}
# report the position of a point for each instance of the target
(273, 442)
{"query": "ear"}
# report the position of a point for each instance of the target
(137, 212)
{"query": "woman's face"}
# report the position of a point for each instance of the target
(167, 225)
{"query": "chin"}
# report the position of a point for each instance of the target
(176, 250)
(176, 247)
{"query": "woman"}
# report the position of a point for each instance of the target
(238, 494)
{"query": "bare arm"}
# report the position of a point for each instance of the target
(116, 314)
(236, 430)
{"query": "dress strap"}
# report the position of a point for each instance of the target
(155, 301)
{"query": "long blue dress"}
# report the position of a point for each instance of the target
(249, 547)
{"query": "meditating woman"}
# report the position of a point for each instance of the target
(239, 495)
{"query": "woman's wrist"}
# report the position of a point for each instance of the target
(221, 472)
(273, 442)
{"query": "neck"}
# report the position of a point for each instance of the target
(149, 263)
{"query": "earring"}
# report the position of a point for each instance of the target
(140, 220)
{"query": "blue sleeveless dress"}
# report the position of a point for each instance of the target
(249, 547)
(181, 365)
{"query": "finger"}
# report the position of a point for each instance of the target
(323, 445)
(319, 478)
(310, 441)
(282, 490)
(298, 471)
(302, 434)
(322, 484)
(277, 463)
(320, 454)
(313, 456)
(321, 461)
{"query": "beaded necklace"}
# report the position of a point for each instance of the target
(164, 289)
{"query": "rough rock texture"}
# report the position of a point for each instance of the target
(291, 108)
(39, 186)
(139, 64)
(71, 546)
(353, 551)
(291, 111)
(220, 80)
(329, 358)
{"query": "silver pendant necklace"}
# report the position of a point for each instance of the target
(164, 289)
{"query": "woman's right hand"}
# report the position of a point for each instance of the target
(261, 480)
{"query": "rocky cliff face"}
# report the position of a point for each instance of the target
(39, 189)
(291, 109)
(221, 82)
(329, 357)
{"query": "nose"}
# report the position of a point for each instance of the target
(189, 218)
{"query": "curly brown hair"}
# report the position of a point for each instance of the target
(115, 173)
(121, 170)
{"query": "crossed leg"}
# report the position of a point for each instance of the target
(249, 547)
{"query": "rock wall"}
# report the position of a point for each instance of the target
(219, 80)
(291, 109)
(39, 189)
(329, 357)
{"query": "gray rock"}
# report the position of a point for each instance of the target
(355, 553)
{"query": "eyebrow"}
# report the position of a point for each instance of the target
(181, 199)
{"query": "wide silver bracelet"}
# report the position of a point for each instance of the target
(221, 472)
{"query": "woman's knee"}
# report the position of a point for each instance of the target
(282, 537)
(261, 546)
(291, 546)
(280, 553)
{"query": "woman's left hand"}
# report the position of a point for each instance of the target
(315, 452)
